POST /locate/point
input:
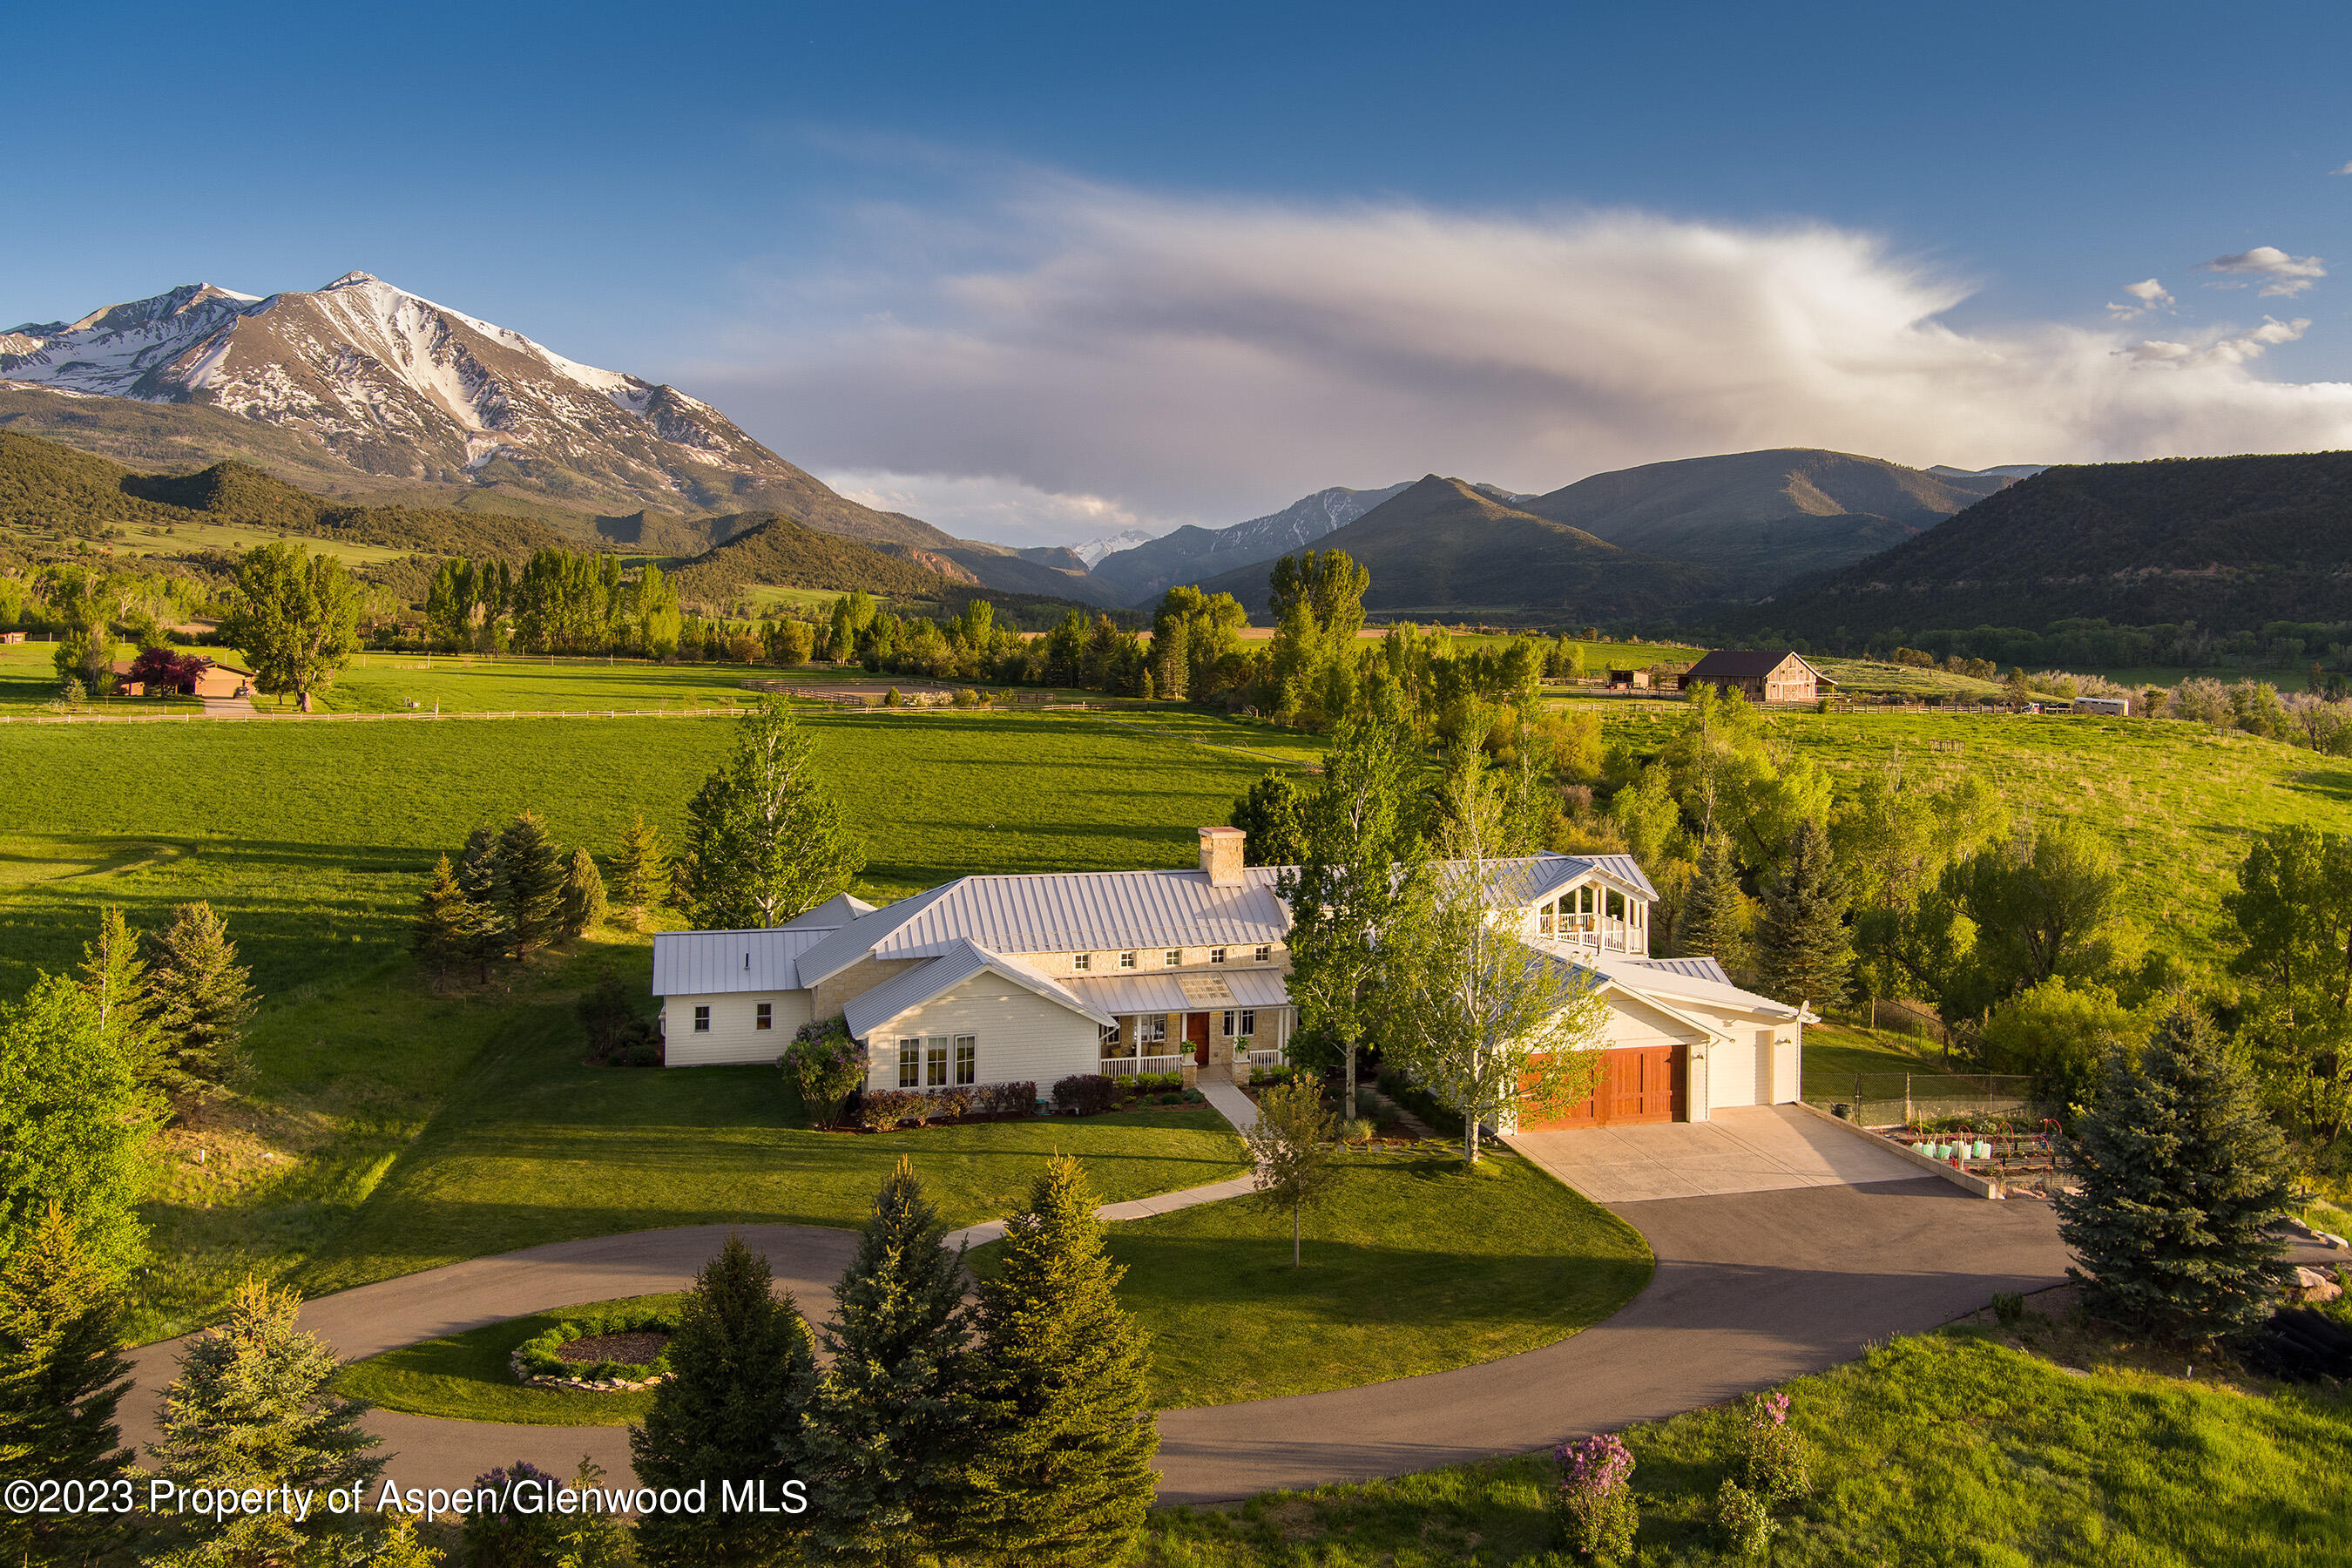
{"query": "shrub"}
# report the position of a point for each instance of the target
(826, 1066)
(967, 697)
(1356, 1132)
(1746, 1523)
(946, 1104)
(523, 1536)
(1775, 1459)
(2009, 1307)
(618, 1035)
(1085, 1094)
(538, 1357)
(1594, 1506)
(1006, 1098)
(880, 1110)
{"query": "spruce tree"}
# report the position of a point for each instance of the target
(116, 981)
(592, 1537)
(583, 895)
(643, 869)
(1805, 949)
(1714, 919)
(253, 1407)
(1063, 1470)
(204, 998)
(887, 1437)
(529, 884)
(478, 878)
(2179, 1176)
(439, 933)
(742, 1371)
(61, 1376)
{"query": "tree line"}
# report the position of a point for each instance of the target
(559, 601)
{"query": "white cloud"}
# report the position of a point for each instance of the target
(1003, 510)
(2346, 169)
(1214, 360)
(2147, 294)
(2284, 276)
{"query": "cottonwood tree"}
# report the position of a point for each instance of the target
(254, 1407)
(1062, 1472)
(1483, 1021)
(2043, 904)
(203, 999)
(73, 1126)
(2179, 1178)
(742, 1372)
(295, 618)
(765, 840)
(529, 885)
(115, 979)
(1318, 602)
(583, 906)
(642, 871)
(890, 1431)
(1360, 846)
(1804, 949)
(1292, 1145)
(61, 1378)
(2293, 909)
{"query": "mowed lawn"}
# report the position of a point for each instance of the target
(470, 1377)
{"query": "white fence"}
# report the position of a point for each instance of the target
(1266, 1059)
(1121, 1066)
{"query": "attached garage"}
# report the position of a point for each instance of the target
(1641, 1083)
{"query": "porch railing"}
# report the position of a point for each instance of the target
(1266, 1059)
(1121, 1066)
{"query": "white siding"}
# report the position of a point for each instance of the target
(732, 1036)
(1731, 1072)
(1789, 1064)
(1021, 1035)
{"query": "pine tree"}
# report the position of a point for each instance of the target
(253, 1408)
(583, 895)
(592, 1537)
(439, 933)
(1714, 919)
(400, 1549)
(478, 878)
(61, 1376)
(887, 1436)
(742, 1371)
(1806, 949)
(530, 883)
(643, 868)
(765, 839)
(116, 981)
(1063, 1471)
(2179, 1177)
(204, 998)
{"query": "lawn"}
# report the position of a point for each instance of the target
(1411, 1265)
(1941, 1451)
(468, 1377)
(1870, 676)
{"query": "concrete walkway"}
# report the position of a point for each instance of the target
(1753, 1148)
(1230, 1103)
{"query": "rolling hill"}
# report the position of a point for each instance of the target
(773, 550)
(2226, 542)
(1444, 545)
(1189, 554)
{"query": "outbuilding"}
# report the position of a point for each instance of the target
(1759, 675)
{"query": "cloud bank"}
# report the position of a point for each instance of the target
(1152, 360)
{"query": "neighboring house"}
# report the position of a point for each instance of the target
(215, 680)
(1762, 677)
(11, 638)
(1629, 680)
(1007, 979)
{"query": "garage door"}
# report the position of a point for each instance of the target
(1642, 1083)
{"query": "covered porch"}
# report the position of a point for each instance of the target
(1236, 1019)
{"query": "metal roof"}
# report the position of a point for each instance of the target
(1166, 993)
(1657, 978)
(913, 987)
(1689, 968)
(1748, 664)
(831, 915)
(1091, 912)
(853, 942)
(714, 963)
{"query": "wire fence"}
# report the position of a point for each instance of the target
(1911, 1100)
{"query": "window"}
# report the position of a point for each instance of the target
(1249, 1021)
(702, 1020)
(935, 1062)
(967, 1060)
(1153, 1030)
(1216, 955)
(1082, 962)
(764, 1016)
(1544, 919)
(1264, 955)
(1109, 1033)
(1127, 961)
(1229, 1023)
(1171, 958)
(910, 1064)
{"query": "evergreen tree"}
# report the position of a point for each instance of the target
(643, 868)
(204, 998)
(253, 1408)
(742, 1370)
(529, 884)
(440, 932)
(592, 1537)
(400, 1549)
(1806, 950)
(61, 1376)
(478, 878)
(1270, 814)
(583, 895)
(2179, 1177)
(765, 839)
(887, 1438)
(1063, 1470)
(115, 979)
(71, 1129)
(1714, 919)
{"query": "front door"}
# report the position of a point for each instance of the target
(1196, 1029)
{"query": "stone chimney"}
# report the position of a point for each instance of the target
(1220, 855)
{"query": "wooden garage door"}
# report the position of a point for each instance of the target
(1642, 1083)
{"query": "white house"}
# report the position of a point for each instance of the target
(1005, 979)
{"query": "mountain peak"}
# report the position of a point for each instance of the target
(349, 278)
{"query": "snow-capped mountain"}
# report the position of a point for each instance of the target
(1094, 550)
(1189, 555)
(403, 389)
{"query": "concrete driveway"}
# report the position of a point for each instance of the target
(1753, 1148)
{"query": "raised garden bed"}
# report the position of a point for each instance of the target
(622, 1351)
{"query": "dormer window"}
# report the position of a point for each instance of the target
(1216, 955)
(1127, 961)
(1263, 955)
(1082, 962)
(1171, 958)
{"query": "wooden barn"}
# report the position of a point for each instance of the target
(1759, 675)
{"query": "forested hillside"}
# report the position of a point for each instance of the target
(776, 551)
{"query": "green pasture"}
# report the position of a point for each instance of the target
(1865, 677)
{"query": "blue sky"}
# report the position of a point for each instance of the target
(1039, 271)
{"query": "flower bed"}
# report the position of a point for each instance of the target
(616, 1352)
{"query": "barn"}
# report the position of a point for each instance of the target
(1759, 675)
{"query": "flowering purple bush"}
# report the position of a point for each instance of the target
(1594, 1506)
(522, 1534)
(1774, 1456)
(825, 1064)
